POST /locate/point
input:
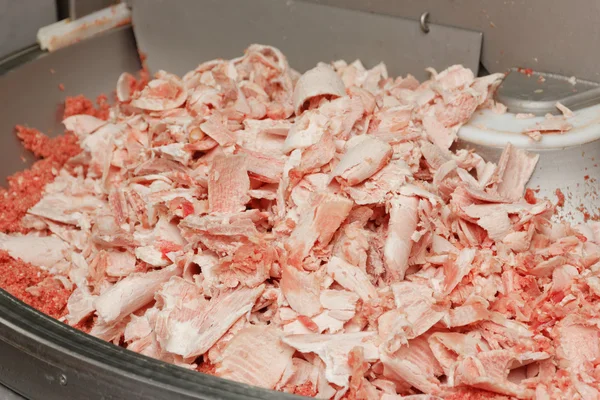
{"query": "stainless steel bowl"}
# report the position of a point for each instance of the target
(45, 359)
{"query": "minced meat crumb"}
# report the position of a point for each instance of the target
(25, 187)
(82, 105)
(17, 276)
(206, 368)
(530, 196)
(561, 198)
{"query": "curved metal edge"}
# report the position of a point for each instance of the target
(46, 359)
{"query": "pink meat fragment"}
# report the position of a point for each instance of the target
(317, 226)
(551, 124)
(455, 271)
(228, 184)
(191, 333)
(438, 134)
(414, 364)
(375, 189)
(301, 290)
(578, 344)
(131, 293)
(514, 170)
(83, 125)
(362, 161)
(398, 243)
(256, 356)
(417, 303)
(334, 351)
(489, 371)
(263, 167)
(319, 81)
(215, 128)
(351, 278)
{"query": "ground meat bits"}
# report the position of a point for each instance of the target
(16, 276)
(25, 187)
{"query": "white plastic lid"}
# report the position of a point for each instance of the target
(488, 128)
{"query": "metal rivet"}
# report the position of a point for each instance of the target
(424, 20)
(62, 380)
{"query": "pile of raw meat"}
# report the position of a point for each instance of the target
(315, 234)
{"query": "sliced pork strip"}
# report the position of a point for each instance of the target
(516, 166)
(215, 127)
(301, 290)
(65, 208)
(398, 243)
(351, 278)
(83, 125)
(551, 124)
(455, 271)
(374, 190)
(197, 333)
(228, 184)
(361, 161)
(578, 343)
(467, 314)
(306, 131)
(334, 351)
(338, 299)
(406, 370)
(256, 356)
(164, 93)
(317, 226)
(263, 167)
(319, 81)
(489, 371)
(418, 305)
(124, 89)
(80, 305)
(438, 134)
(41, 251)
(316, 156)
(131, 293)
(448, 347)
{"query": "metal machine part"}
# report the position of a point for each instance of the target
(18, 25)
(173, 34)
(545, 35)
(79, 8)
(526, 91)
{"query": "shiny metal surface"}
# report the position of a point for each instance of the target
(81, 8)
(537, 92)
(20, 21)
(424, 21)
(547, 35)
(178, 35)
(7, 394)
